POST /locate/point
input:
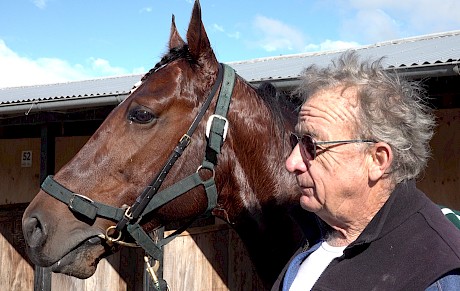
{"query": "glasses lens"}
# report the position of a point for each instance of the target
(309, 146)
(293, 140)
(306, 144)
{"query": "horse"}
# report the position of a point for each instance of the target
(113, 169)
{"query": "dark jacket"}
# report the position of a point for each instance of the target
(408, 245)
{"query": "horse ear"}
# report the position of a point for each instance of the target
(197, 38)
(174, 38)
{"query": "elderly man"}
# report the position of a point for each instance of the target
(361, 139)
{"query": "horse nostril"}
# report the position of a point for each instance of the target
(35, 233)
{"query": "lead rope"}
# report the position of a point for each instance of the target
(152, 270)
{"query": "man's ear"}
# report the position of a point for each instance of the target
(382, 157)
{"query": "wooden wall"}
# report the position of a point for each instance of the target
(21, 184)
(18, 184)
(67, 148)
(16, 273)
(209, 258)
(105, 278)
(119, 272)
(441, 180)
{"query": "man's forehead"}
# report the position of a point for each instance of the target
(334, 107)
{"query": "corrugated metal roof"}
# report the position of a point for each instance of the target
(81, 89)
(426, 50)
(417, 52)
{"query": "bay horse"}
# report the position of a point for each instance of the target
(129, 149)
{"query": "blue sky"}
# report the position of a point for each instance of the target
(50, 41)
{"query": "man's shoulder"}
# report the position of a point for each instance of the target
(452, 215)
(442, 224)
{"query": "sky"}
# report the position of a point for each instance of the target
(53, 41)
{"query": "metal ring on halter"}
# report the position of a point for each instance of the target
(111, 239)
(204, 167)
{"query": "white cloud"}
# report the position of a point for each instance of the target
(40, 3)
(374, 24)
(277, 36)
(360, 22)
(218, 27)
(21, 71)
(433, 16)
(377, 20)
(235, 35)
(146, 10)
(103, 67)
(331, 45)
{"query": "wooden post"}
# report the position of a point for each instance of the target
(47, 152)
(42, 276)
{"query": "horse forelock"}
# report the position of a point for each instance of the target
(180, 52)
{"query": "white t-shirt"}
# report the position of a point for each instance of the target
(314, 265)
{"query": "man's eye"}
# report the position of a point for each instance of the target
(141, 115)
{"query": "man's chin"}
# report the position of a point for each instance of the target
(309, 203)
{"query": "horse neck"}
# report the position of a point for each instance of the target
(258, 151)
(258, 187)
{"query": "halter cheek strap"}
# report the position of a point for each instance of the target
(130, 218)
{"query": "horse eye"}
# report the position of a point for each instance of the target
(141, 115)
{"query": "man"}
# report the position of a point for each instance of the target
(361, 139)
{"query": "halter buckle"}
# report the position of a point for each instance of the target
(82, 197)
(128, 214)
(187, 138)
(82, 205)
(209, 124)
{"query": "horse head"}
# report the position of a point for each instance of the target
(133, 144)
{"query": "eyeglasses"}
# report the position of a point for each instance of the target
(309, 146)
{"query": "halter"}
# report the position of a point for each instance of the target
(128, 219)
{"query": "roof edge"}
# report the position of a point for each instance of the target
(60, 104)
(432, 70)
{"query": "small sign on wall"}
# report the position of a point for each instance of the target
(26, 159)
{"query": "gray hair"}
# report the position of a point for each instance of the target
(391, 109)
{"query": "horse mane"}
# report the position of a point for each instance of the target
(281, 106)
(180, 52)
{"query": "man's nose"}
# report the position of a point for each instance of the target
(295, 162)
